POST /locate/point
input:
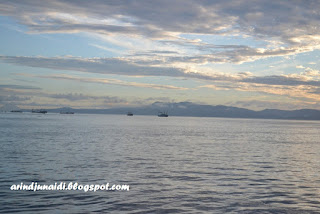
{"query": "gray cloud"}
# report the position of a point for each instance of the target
(95, 65)
(260, 104)
(19, 87)
(10, 98)
(79, 97)
(290, 26)
(281, 80)
(113, 82)
(183, 16)
(315, 91)
(122, 67)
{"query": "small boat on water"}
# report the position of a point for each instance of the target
(163, 114)
(129, 114)
(66, 112)
(39, 111)
(16, 111)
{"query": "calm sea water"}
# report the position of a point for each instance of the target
(173, 165)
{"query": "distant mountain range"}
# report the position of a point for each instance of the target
(198, 110)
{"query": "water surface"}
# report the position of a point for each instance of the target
(173, 165)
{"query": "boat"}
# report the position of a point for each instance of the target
(163, 114)
(17, 111)
(66, 112)
(129, 114)
(39, 111)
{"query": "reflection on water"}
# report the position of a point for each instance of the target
(175, 164)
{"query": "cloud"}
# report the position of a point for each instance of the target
(280, 27)
(285, 80)
(145, 17)
(269, 104)
(299, 86)
(82, 97)
(113, 82)
(120, 66)
(312, 72)
(105, 48)
(301, 92)
(95, 65)
(19, 87)
(10, 98)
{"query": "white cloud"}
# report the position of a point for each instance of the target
(312, 72)
(106, 48)
(270, 104)
(114, 82)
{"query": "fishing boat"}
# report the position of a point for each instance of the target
(163, 114)
(66, 112)
(129, 114)
(17, 111)
(39, 111)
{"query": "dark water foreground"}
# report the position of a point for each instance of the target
(173, 165)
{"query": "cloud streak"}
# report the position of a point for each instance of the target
(94, 65)
(120, 66)
(113, 82)
(25, 87)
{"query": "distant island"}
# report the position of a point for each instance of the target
(198, 110)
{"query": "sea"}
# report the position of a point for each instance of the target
(172, 165)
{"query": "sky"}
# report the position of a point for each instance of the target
(254, 54)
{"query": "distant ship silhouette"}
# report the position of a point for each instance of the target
(19, 111)
(39, 111)
(163, 114)
(66, 112)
